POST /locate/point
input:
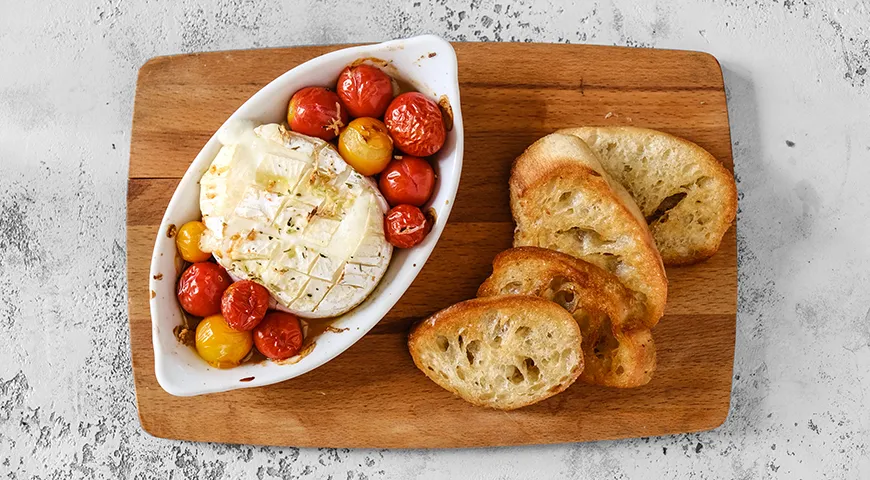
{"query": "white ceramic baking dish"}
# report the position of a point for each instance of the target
(428, 63)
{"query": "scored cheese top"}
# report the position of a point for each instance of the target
(284, 210)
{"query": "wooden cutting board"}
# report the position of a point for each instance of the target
(372, 395)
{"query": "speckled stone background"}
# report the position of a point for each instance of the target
(799, 101)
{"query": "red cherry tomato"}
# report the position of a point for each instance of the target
(365, 90)
(406, 226)
(279, 335)
(416, 125)
(244, 304)
(316, 111)
(200, 288)
(408, 180)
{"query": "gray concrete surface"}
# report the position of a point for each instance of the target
(799, 100)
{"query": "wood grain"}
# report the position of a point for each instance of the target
(372, 396)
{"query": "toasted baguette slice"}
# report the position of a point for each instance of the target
(500, 352)
(688, 198)
(574, 284)
(621, 359)
(562, 199)
(618, 352)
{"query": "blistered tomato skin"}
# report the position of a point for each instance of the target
(416, 124)
(366, 145)
(316, 111)
(201, 287)
(365, 90)
(405, 226)
(279, 335)
(187, 242)
(244, 304)
(408, 180)
(220, 345)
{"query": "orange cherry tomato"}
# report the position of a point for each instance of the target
(187, 242)
(366, 146)
(220, 345)
(244, 304)
(408, 180)
(200, 288)
(406, 226)
(364, 90)
(279, 335)
(316, 111)
(416, 124)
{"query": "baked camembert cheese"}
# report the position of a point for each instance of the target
(284, 209)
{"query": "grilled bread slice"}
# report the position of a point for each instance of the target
(688, 198)
(617, 350)
(562, 199)
(501, 352)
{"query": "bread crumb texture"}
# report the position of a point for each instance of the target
(501, 352)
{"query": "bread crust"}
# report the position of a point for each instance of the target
(618, 350)
(535, 268)
(690, 156)
(565, 160)
(465, 318)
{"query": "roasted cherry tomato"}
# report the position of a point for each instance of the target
(187, 242)
(416, 124)
(408, 180)
(365, 90)
(244, 304)
(279, 335)
(316, 111)
(200, 288)
(220, 345)
(366, 146)
(406, 226)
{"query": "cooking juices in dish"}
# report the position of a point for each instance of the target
(295, 227)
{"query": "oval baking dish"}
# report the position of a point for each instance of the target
(428, 64)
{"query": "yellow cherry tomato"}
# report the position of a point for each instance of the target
(187, 242)
(366, 145)
(220, 345)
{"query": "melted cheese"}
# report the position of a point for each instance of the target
(285, 210)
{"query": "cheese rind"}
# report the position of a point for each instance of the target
(285, 210)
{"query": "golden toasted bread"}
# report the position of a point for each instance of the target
(562, 199)
(688, 198)
(618, 350)
(501, 352)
